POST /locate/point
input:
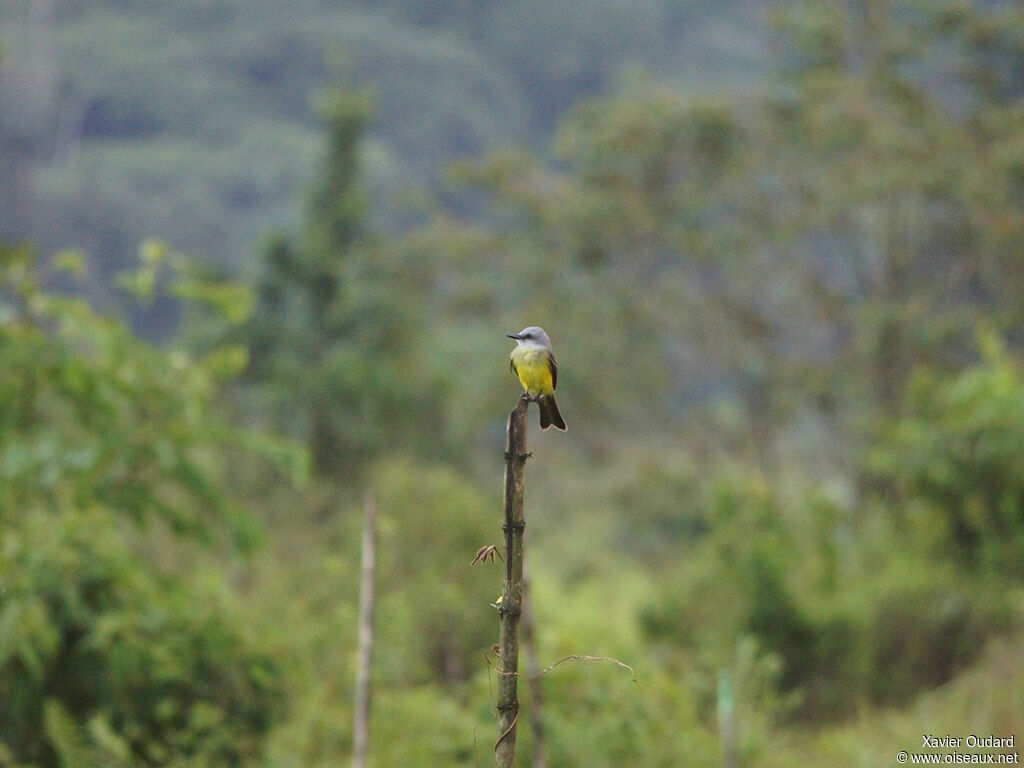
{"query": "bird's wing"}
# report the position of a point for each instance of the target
(554, 370)
(512, 367)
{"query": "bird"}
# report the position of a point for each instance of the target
(533, 361)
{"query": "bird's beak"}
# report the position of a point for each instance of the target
(515, 336)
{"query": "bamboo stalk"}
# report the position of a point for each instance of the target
(727, 720)
(367, 601)
(512, 589)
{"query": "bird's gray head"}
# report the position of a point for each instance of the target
(532, 336)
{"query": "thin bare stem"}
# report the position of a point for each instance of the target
(367, 600)
(582, 657)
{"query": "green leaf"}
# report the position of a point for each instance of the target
(67, 737)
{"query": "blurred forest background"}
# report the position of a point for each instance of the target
(259, 260)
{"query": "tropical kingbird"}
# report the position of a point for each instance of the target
(534, 362)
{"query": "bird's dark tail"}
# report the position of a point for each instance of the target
(549, 415)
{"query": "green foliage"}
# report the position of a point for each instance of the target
(64, 734)
(98, 416)
(162, 666)
(986, 697)
(441, 623)
(110, 447)
(802, 249)
(434, 619)
(840, 615)
(338, 207)
(333, 329)
(426, 725)
(748, 293)
(954, 462)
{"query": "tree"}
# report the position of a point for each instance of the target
(332, 335)
(111, 454)
(953, 462)
(802, 250)
(894, 194)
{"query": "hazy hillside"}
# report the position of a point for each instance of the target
(196, 121)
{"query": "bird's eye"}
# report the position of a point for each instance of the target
(527, 335)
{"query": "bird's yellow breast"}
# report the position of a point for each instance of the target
(534, 370)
